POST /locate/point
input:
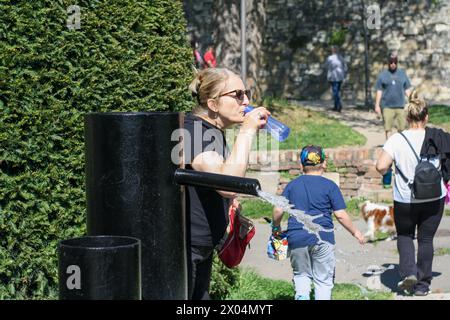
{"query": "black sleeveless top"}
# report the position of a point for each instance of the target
(208, 210)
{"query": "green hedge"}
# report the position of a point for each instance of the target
(127, 56)
(223, 279)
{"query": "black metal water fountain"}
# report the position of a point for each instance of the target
(217, 181)
(134, 189)
(100, 268)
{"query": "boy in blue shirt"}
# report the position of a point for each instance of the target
(312, 259)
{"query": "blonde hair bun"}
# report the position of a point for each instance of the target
(416, 109)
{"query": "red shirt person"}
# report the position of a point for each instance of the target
(209, 58)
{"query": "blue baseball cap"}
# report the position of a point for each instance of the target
(312, 155)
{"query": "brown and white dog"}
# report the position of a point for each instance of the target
(378, 218)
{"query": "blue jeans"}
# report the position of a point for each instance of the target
(335, 88)
(314, 263)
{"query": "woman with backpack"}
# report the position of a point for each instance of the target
(419, 195)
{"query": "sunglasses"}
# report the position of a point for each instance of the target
(239, 94)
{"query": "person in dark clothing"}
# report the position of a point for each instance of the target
(411, 213)
(336, 73)
(221, 99)
(437, 143)
(199, 63)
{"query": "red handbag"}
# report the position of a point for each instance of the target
(239, 232)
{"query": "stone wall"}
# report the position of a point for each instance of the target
(288, 41)
(354, 170)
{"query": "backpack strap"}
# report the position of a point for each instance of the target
(407, 181)
(409, 143)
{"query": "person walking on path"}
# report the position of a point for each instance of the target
(336, 73)
(411, 213)
(313, 259)
(221, 99)
(210, 58)
(391, 86)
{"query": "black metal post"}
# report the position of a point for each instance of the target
(368, 97)
(131, 192)
(99, 268)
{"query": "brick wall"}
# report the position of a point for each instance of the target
(355, 167)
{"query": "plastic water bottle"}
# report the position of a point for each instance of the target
(387, 178)
(278, 130)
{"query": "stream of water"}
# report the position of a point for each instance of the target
(299, 215)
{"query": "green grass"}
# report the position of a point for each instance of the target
(286, 175)
(252, 286)
(330, 165)
(442, 251)
(313, 127)
(307, 127)
(256, 208)
(379, 236)
(353, 207)
(348, 291)
(447, 212)
(439, 114)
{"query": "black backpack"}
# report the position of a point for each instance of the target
(427, 178)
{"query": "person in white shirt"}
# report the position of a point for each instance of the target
(411, 213)
(336, 73)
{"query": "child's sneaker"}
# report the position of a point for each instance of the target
(300, 297)
(408, 283)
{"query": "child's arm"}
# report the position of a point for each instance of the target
(277, 215)
(347, 223)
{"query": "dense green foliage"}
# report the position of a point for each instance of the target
(128, 55)
(223, 279)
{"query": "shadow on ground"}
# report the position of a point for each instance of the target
(390, 278)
